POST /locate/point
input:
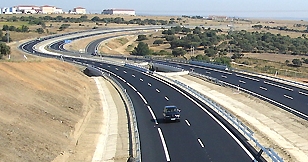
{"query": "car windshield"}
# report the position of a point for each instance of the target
(171, 109)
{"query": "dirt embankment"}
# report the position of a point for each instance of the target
(41, 107)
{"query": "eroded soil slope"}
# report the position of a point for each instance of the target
(41, 103)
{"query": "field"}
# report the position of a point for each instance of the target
(267, 63)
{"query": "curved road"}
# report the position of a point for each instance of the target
(199, 137)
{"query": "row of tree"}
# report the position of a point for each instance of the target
(23, 28)
(215, 42)
(284, 28)
(118, 20)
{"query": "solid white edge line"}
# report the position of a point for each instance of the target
(214, 118)
(153, 115)
(144, 100)
(167, 98)
(164, 144)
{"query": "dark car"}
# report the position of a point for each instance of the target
(171, 113)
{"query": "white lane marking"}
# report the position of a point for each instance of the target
(208, 72)
(187, 122)
(121, 79)
(164, 144)
(214, 118)
(302, 93)
(263, 88)
(133, 76)
(278, 86)
(167, 98)
(141, 79)
(241, 81)
(144, 100)
(132, 87)
(149, 84)
(85, 61)
(116, 69)
(93, 62)
(268, 99)
(247, 77)
(157, 90)
(200, 142)
(108, 66)
(223, 76)
(100, 64)
(125, 72)
(153, 115)
(289, 97)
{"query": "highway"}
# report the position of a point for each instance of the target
(206, 142)
(200, 136)
(290, 98)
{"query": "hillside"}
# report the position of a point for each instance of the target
(41, 106)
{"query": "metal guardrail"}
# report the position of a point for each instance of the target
(224, 113)
(239, 125)
(136, 140)
(298, 84)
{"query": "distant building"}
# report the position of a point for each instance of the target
(79, 10)
(48, 9)
(28, 9)
(58, 11)
(119, 12)
(217, 18)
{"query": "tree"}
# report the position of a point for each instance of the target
(201, 58)
(40, 30)
(12, 28)
(95, 18)
(142, 49)
(297, 62)
(142, 37)
(64, 26)
(287, 62)
(24, 28)
(5, 38)
(5, 27)
(158, 42)
(178, 52)
(4, 50)
(237, 56)
(84, 17)
(223, 60)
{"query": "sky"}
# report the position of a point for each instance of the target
(290, 9)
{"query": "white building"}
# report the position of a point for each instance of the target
(79, 10)
(46, 9)
(28, 9)
(58, 11)
(9, 10)
(119, 12)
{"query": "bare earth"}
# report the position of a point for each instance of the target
(41, 104)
